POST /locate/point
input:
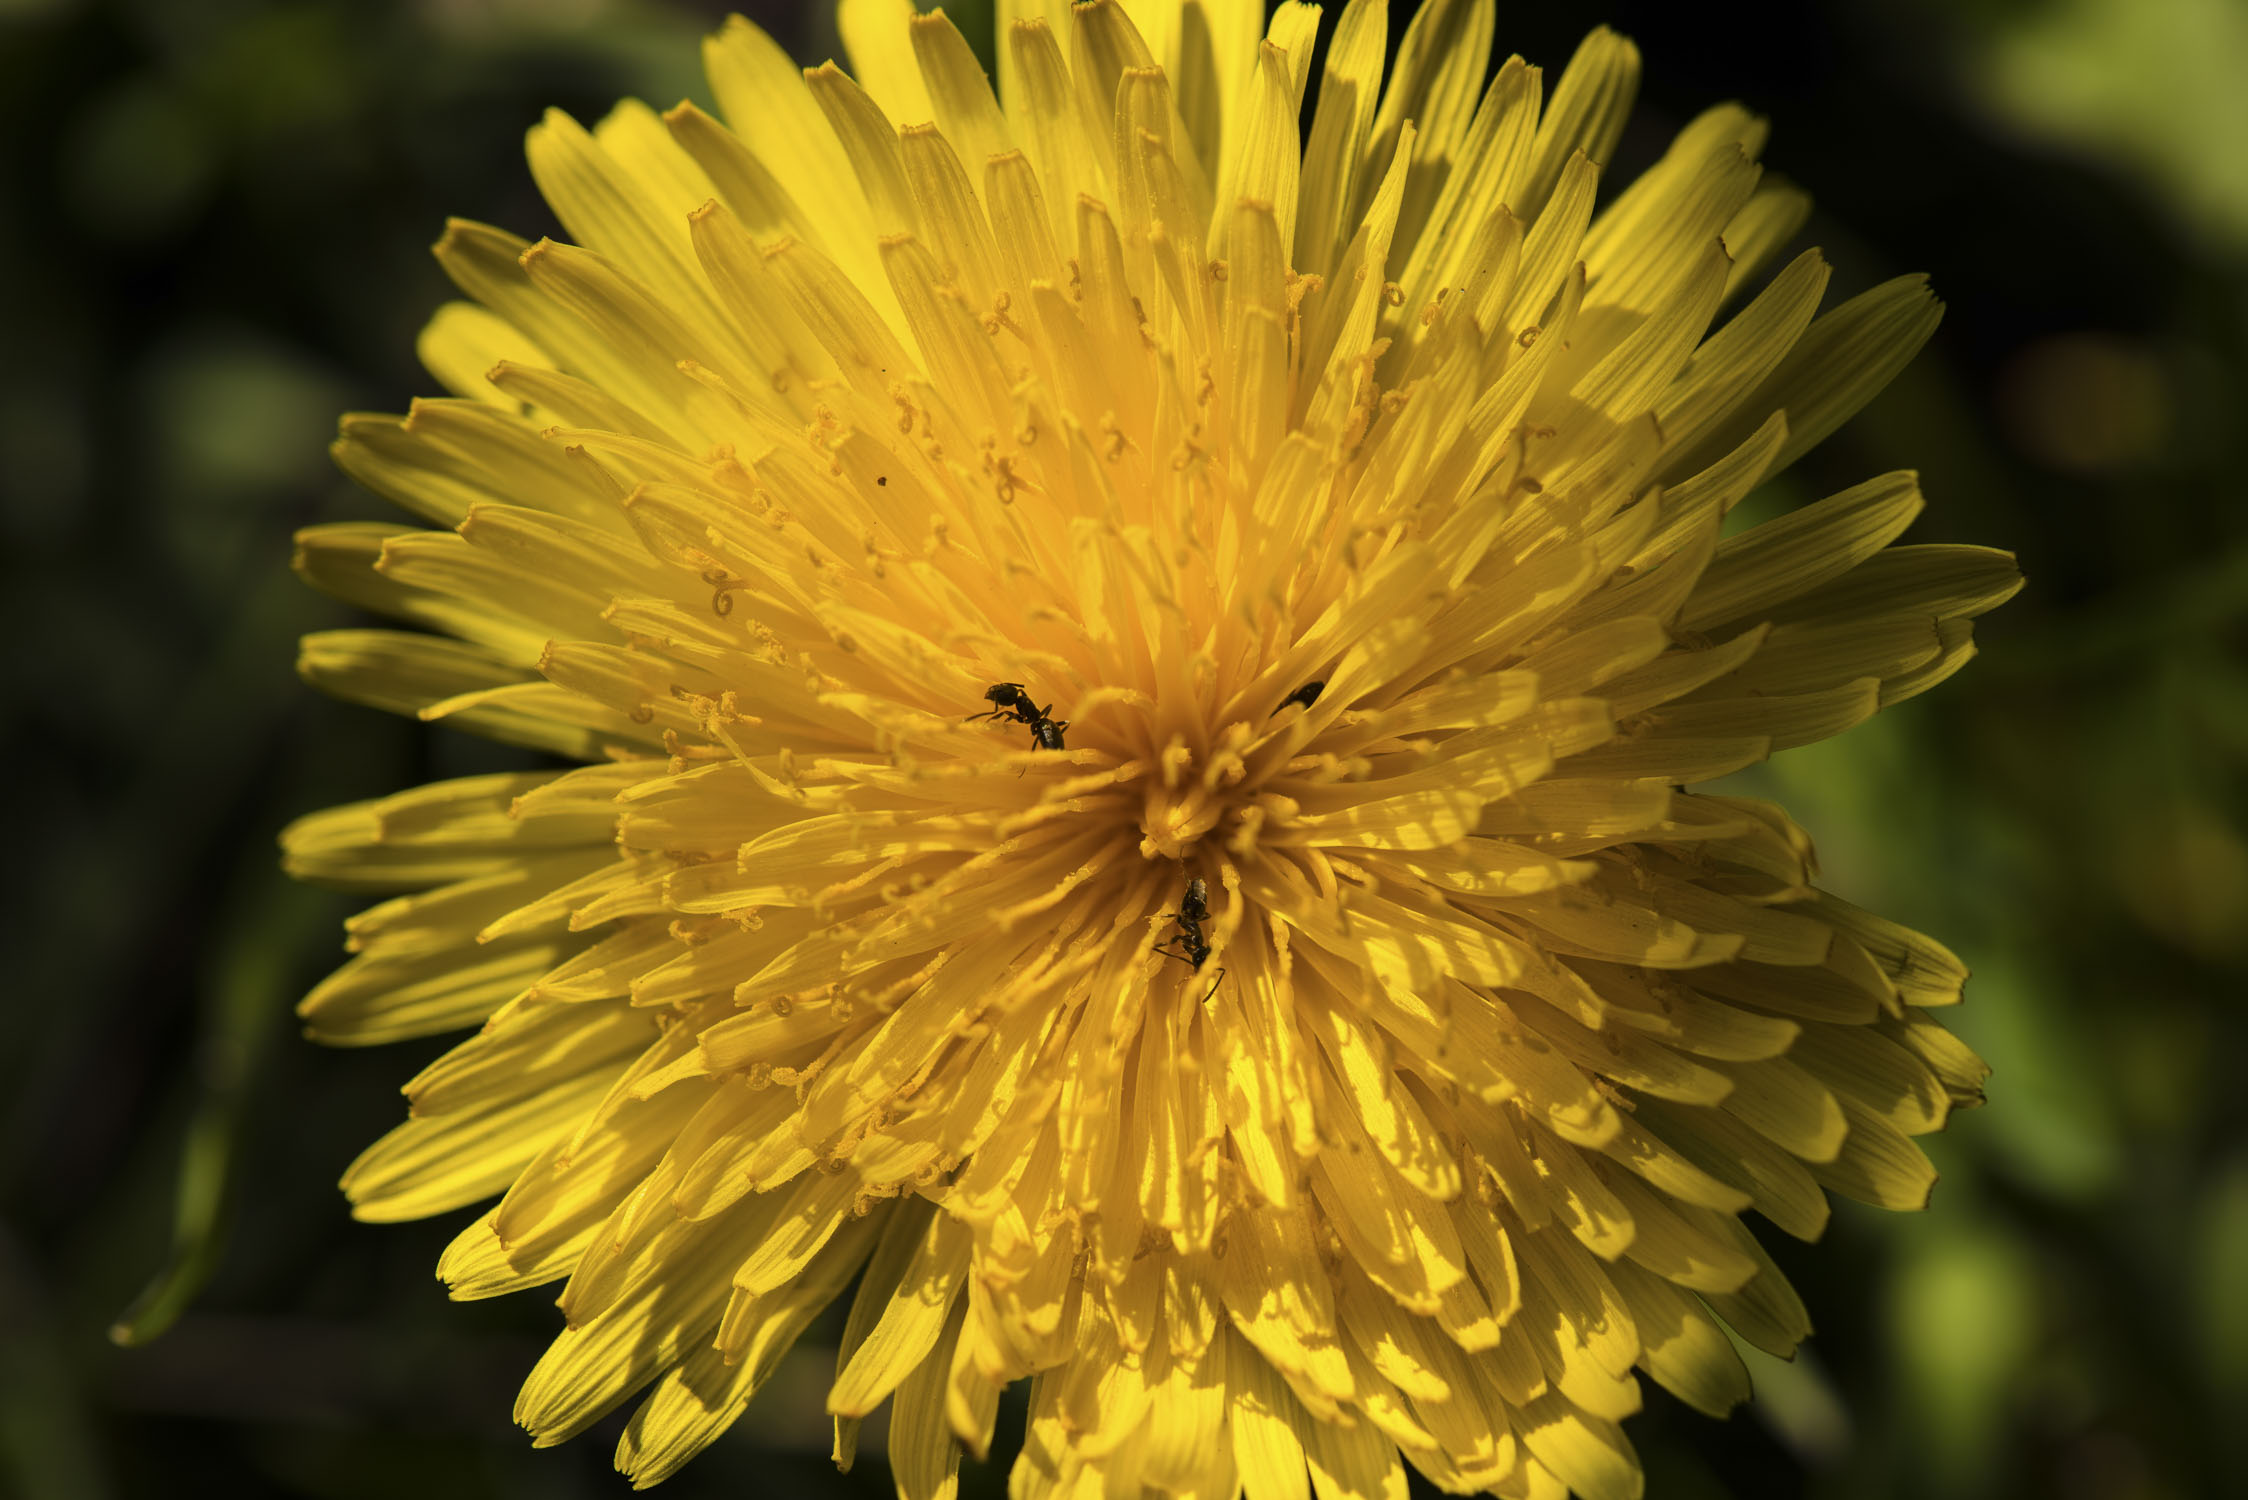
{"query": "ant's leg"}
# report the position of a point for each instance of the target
(1213, 989)
(1164, 948)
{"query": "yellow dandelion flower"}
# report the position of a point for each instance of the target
(1137, 675)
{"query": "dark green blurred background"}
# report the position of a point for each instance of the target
(213, 216)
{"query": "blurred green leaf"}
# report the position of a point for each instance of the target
(1798, 1401)
(1963, 1315)
(2149, 84)
(48, 1450)
(2221, 1281)
(2052, 1121)
(248, 991)
(140, 159)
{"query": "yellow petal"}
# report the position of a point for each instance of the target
(910, 1322)
(1877, 1164)
(763, 97)
(398, 670)
(1770, 218)
(870, 145)
(1684, 1349)
(441, 1162)
(1586, 115)
(1353, 1463)
(1264, 1422)
(1953, 1061)
(375, 998)
(1766, 1312)
(1263, 159)
(1591, 1456)
(1839, 364)
(625, 193)
(1676, 1242)
(526, 1051)
(875, 33)
(1440, 64)
(1738, 356)
(1923, 970)
(461, 342)
(1794, 554)
(1945, 581)
(1335, 155)
(697, 1399)
(924, 1458)
(1781, 1187)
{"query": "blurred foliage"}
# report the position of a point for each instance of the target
(212, 215)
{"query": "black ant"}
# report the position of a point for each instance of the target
(1307, 695)
(1194, 910)
(1011, 702)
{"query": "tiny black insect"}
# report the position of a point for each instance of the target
(1193, 947)
(1307, 695)
(1009, 701)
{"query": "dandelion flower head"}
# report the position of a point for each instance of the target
(1136, 671)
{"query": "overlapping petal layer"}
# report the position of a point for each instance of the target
(889, 389)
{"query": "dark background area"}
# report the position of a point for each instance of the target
(213, 221)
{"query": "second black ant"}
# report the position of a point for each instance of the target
(1193, 947)
(1010, 701)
